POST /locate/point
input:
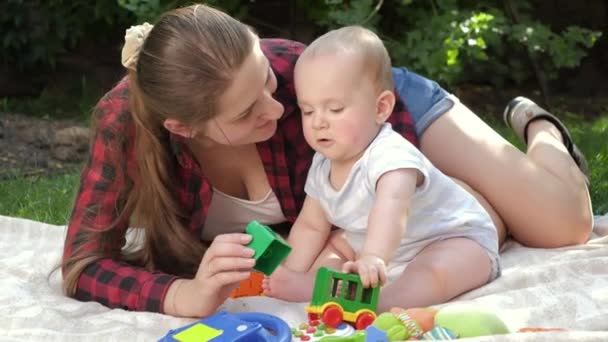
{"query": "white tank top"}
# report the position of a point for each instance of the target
(228, 214)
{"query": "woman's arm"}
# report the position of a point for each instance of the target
(225, 264)
(308, 236)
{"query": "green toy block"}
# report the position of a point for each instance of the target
(269, 247)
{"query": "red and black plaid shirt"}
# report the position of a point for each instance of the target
(111, 169)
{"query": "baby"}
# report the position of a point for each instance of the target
(409, 227)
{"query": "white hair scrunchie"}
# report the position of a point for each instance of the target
(134, 39)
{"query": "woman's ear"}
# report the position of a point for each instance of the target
(384, 106)
(178, 128)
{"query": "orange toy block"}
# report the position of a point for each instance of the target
(249, 287)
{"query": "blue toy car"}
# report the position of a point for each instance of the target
(240, 327)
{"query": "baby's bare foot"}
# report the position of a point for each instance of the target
(288, 285)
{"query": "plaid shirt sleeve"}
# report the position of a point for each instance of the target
(105, 179)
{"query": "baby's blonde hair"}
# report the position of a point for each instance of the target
(361, 42)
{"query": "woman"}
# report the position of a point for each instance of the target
(206, 124)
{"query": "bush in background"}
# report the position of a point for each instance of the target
(456, 41)
(36, 32)
(452, 41)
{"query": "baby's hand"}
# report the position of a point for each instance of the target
(370, 268)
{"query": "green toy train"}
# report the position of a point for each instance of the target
(339, 297)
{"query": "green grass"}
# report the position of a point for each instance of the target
(49, 199)
(592, 139)
(46, 199)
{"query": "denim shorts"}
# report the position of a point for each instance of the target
(424, 99)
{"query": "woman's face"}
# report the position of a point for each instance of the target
(247, 111)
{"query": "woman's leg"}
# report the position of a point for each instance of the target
(440, 272)
(541, 195)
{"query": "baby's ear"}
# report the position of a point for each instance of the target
(384, 106)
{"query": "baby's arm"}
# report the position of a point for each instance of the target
(388, 218)
(386, 224)
(308, 236)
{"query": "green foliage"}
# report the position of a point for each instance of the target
(360, 12)
(451, 41)
(150, 10)
(565, 50)
(444, 45)
(75, 101)
(144, 10)
(36, 32)
(454, 41)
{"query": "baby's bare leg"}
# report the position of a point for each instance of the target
(442, 271)
(293, 286)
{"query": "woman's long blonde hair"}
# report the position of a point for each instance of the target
(186, 62)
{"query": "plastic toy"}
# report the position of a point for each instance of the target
(439, 334)
(240, 327)
(249, 287)
(370, 334)
(387, 327)
(425, 317)
(317, 331)
(373, 334)
(401, 324)
(394, 328)
(339, 297)
(448, 323)
(270, 248)
(469, 321)
(359, 336)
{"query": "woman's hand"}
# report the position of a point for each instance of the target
(370, 268)
(225, 264)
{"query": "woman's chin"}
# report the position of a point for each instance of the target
(266, 131)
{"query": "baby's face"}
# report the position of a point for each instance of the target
(339, 105)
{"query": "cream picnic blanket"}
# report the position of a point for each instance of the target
(565, 288)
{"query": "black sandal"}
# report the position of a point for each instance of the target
(521, 111)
